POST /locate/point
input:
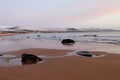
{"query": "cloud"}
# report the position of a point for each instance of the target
(62, 12)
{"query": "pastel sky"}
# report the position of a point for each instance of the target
(60, 13)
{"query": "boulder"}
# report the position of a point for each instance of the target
(84, 53)
(67, 41)
(29, 59)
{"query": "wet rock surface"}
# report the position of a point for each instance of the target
(29, 59)
(84, 53)
(67, 41)
(16, 60)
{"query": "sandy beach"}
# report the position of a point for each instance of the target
(64, 68)
(59, 39)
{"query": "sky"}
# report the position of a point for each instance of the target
(60, 13)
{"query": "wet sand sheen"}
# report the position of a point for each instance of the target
(9, 60)
(7, 34)
(46, 40)
(66, 68)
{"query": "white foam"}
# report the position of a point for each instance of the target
(13, 60)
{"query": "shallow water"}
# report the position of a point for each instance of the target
(105, 41)
(13, 60)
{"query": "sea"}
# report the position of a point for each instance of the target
(92, 41)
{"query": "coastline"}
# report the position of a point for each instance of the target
(63, 68)
(107, 43)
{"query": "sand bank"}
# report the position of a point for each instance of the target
(66, 68)
(7, 34)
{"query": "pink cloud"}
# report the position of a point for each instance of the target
(96, 10)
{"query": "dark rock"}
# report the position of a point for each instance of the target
(67, 41)
(84, 53)
(29, 59)
(94, 35)
(28, 37)
(38, 35)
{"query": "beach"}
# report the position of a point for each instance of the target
(59, 62)
(64, 68)
(59, 39)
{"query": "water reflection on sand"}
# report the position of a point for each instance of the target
(52, 41)
(7, 60)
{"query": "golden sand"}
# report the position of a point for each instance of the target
(67, 68)
(7, 34)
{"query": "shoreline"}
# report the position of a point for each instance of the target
(44, 50)
(11, 43)
(7, 34)
(110, 48)
(64, 68)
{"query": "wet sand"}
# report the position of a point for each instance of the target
(64, 68)
(7, 34)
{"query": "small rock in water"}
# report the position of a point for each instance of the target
(30, 59)
(67, 41)
(28, 37)
(84, 53)
(38, 35)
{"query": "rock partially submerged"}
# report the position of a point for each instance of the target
(94, 35)
(84, 53)
(30, 59)
(67, 41)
